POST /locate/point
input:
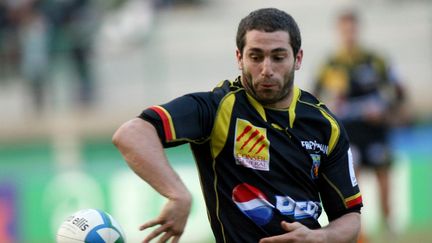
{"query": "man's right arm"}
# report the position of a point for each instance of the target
(138, 142)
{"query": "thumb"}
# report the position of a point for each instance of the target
(290, 226)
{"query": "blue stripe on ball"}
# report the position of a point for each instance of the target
(94, 237)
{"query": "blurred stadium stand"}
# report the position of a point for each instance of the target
(139, 53)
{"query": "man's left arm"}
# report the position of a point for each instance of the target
(344, 229)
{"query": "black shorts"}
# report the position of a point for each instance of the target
(369, 145)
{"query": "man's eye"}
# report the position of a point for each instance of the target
(278, 58)
(254, 57)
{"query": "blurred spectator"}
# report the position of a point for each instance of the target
(8, 39)
(35, 34)
(128, 25)
(33, 37)
(72, 25)
(360, 87)
(171, 3)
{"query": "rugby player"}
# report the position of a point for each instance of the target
(270, 156)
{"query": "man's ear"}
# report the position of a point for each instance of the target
(298, 59)
(239, 59)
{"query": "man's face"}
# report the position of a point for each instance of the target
(268, 64)
(348, 31)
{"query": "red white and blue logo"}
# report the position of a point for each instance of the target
(253, 203)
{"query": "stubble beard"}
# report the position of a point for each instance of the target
(266, 100)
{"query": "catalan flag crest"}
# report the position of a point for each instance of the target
(251, 147)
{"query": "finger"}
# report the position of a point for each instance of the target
(156, 232)
(290, 226)
(150, 223)
(165, 237)
(274, 239)
(176, 239)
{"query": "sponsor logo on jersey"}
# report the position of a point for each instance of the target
(315, 146)
(351, 168)
(298, 209)
(251, 146)
(316, 161)
(255, 205)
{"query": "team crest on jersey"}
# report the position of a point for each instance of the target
(251, 146)
(316, 161)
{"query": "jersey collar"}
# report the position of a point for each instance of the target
(291, 109)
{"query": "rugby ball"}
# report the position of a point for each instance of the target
(90, 226)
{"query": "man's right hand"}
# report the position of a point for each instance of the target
(172, 220)
(142, 149)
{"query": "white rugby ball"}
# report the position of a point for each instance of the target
(90, 226)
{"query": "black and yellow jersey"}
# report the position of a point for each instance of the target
(357, 86)
(357, 81)
(259, 166)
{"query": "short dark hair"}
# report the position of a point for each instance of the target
(269, 20)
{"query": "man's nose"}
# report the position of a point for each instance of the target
(267, 69)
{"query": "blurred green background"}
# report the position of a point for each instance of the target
(67, 81)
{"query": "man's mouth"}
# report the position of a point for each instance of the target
(268, 85)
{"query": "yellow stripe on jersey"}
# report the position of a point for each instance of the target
(258, 107)
(219, 137)
(221, 126)
(293, 105)
(220, 84)
(335, 130)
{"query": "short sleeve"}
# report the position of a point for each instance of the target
(185, 119)
(339, 190)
